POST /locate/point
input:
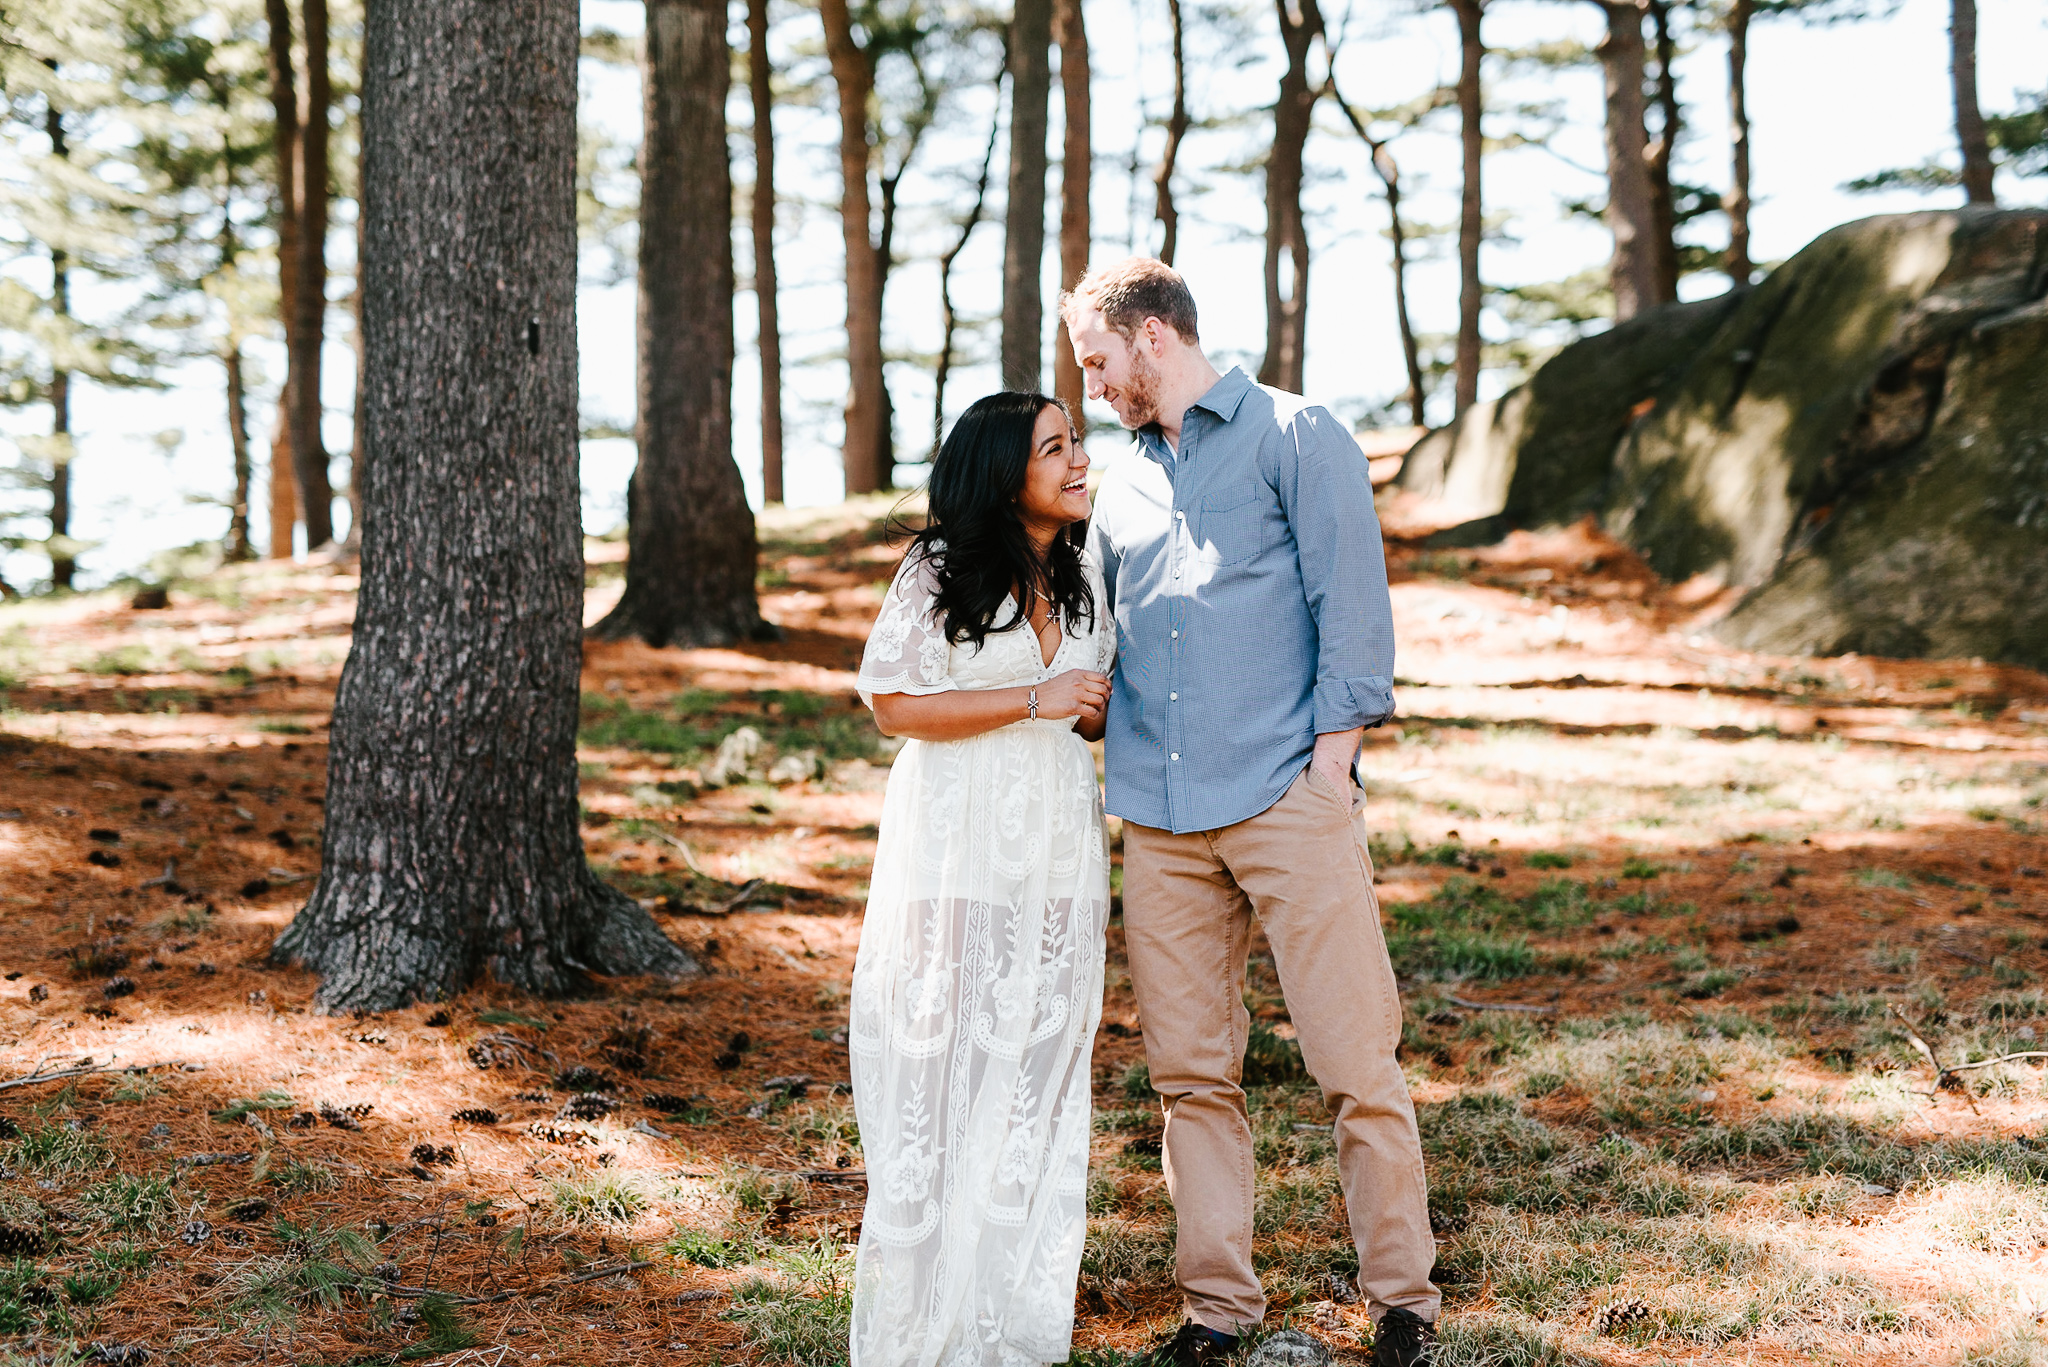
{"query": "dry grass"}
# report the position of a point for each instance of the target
(1717, 873)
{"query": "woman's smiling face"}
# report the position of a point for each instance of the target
(1055, 492)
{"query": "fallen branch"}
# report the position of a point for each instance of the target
(589, 1275)
(1965, 955)
(169, 875)
(1470, 1005)
(689, 858)
(86, 1072)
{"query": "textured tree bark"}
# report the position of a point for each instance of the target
(451, 849)
(1389, 172)
(63, 565)
(1657, 156)
(1976, 147)
(358, 453)
(1471, 223)
(1077, 164)
(284, 110)
(309, 299)
(1286, 235)
(1023, 345)
(1633, 271)
(690, 550)
(1164, 208)
(854, 75)
(238, 544)
(1739, 266)
(948, 320)
(769, 330)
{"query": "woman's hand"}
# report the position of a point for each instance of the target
(1079, 693)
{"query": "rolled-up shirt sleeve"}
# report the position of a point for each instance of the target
(1327, 495)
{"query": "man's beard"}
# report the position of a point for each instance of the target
(1141, 393)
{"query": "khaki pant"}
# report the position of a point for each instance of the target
(1302, 867)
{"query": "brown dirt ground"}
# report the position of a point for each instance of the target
(1564, 645)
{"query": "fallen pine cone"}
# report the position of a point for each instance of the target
(549, 1132)
(1626, 1313)
(475, 1115)
(588, 1106)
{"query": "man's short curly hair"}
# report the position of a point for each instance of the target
(1131, 291)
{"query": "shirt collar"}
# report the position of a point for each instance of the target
(1222, 399)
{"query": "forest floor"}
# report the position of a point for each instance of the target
(1669, 919)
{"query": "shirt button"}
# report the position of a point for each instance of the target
(1176, 755)
(1176, 636)
(1173, 697)
(1180, 517)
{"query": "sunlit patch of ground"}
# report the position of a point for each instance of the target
(1664, 912)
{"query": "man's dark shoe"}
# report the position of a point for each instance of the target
(1403, 1339)
(1192, 1345)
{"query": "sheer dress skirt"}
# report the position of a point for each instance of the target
(976, 995)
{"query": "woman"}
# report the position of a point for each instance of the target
(979, 981)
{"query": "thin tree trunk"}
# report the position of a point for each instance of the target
(1739, 266)
(283, 483)
(284, 109)
(949, 320)
(63, 565)
(1633, 270)
(1663, 208)
(855, 77)
(759, 81)
(1962, 38)
(309, 299)
(1165, 209)
(1077, 161)
(1389, 172)
(451, 848)
(1471, 223)
(238, 543)
(690, 557)
(1286, 234)
(1023, 345)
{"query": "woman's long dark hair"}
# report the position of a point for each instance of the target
(975, 535)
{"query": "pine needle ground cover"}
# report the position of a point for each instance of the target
(1669, 918)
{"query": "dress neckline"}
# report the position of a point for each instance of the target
(1024, 628)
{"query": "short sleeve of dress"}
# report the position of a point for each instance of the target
(907, 651)
(1105, 618)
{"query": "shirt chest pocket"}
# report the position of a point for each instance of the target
(1236, 524)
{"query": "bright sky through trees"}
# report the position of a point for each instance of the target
(1827, 105)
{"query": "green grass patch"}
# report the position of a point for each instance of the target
(130, 1204)
(800, 1310)
(1546, 859)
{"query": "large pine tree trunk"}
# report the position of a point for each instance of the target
(1023, 345)
(1976, 147)
(451, 849)
(309, 298)
(1633, 270)
(760, 84)
(690, 557)
(855, 78)
(1077, 161)
(1286, 234)
(1471, 223)
(284, 111)
(1739, 266)
(1167, 212)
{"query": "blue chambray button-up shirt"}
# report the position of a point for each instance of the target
(1250, 593)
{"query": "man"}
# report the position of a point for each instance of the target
(1244, 568)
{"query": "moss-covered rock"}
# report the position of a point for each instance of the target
(1861, 441)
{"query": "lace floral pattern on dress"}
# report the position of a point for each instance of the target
(976, 995)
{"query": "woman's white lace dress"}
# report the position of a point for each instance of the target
(975, 1000)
